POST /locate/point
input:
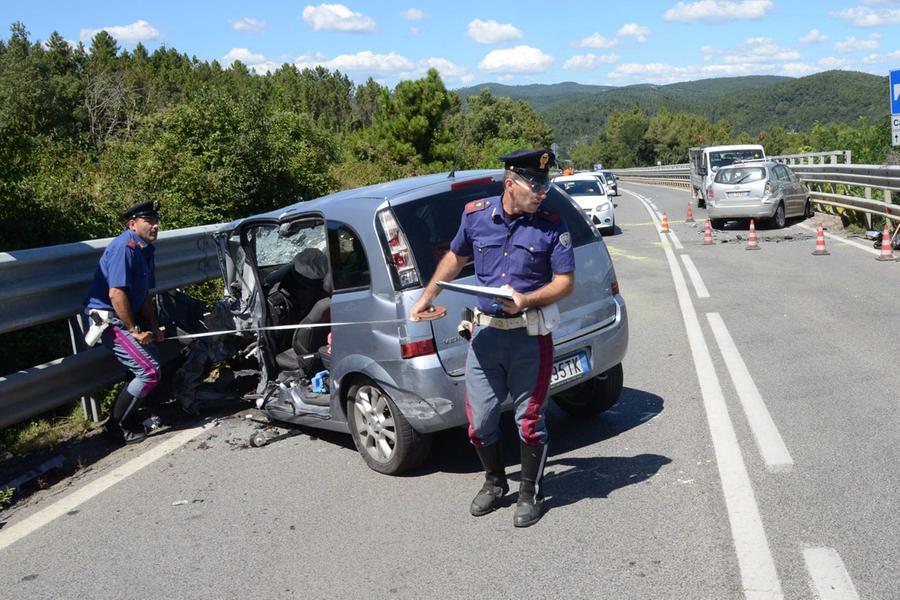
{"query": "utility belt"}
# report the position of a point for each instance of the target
(99, 321)
(536, 321)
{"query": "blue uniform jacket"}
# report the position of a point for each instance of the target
(128, 262)
(523, 252)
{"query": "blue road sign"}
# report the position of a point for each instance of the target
(895, 92)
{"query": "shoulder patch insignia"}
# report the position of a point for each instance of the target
(131, 243)
(549, 215)
(476, 205)
(565, 239)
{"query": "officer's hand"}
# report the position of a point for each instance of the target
(516, 304)
(422, 305)
(144, 337)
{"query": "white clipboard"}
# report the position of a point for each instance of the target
(477, 290)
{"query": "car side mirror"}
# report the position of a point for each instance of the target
(702, 171)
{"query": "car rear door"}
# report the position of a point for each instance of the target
(430, 223)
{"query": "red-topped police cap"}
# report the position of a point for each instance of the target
(148, 209)
(533, 164)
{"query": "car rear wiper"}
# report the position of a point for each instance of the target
(742, 178)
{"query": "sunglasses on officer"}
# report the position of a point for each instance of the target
(533, 186)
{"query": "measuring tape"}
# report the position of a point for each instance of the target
(436, 312)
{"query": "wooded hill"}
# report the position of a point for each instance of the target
(578, 113)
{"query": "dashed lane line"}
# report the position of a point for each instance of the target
(759, 577)
(765, 432)
(829, 576)
(694, 275)
(13, 533)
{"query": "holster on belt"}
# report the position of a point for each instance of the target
(99, 321)
(543, 320)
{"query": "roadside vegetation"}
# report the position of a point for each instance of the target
(87, 130)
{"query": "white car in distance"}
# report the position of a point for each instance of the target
(589, 193)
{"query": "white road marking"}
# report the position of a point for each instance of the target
(675, 240)
(13, 533)
(768, 439)
(694, 274)
(759, 577)
(829, 576)
(842, 240)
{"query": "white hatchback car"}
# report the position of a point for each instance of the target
(590, 195)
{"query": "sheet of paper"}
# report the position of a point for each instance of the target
(477, 290)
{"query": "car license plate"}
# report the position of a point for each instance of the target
(569, 368)
(737, 194)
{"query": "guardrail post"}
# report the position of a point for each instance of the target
(848, 157)
(76, 333)
(867, 193)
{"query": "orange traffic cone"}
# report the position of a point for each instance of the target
(752, 242)
(707, 235)
(887, 250)
(665, 224)
(820, 243)
(690, 217)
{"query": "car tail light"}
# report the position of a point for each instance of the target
(710, 193)
(401, 255)
(615, 286)
(768, 188)
(419, 348)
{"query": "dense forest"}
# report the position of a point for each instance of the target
(87, 130)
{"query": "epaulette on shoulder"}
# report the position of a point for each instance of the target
(549, 215)
(131, 243)
(476, 205)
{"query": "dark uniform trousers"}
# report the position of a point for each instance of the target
(503, 363)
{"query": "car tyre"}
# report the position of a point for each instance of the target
(808, 211)
(717, 223)
(382, 435)
(778, 221)
(594, 395)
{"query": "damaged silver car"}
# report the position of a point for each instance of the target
(345, 269)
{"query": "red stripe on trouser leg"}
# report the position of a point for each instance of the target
(472, 435)
(138, 357)
(539, 395)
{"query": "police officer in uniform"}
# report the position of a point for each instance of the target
(120, 301)
(516, 243)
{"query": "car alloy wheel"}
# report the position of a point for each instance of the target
(376, 431)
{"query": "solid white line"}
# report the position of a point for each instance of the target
(842, 240)
(758, 574)
(675, 239)
(694, 274)
(829, 576)
(13, 533)
(768, 440)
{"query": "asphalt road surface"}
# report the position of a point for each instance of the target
(753, 454)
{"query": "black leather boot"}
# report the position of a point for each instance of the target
(530, 505)
(495, 485)
(118, 427)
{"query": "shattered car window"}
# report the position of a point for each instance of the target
(277, 245)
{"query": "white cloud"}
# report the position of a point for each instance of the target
(814, 36)
(595, 40)
(852, 44)
(638, 32)
(449, 70)
(718, 11)
(590, 61)
(830, 62)
(521, 59)
(253, 60)
(249, 24)
(369, 62)
(757, 50)
(882, 58)
(336, 17)
(413, 14)
(392, 64)
(798, 69)
(139, 31)
(492, 32)
(863, 16)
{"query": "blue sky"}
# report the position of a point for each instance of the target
(614, 42)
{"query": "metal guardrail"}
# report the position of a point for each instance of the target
(43, 285)
(844, 186)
